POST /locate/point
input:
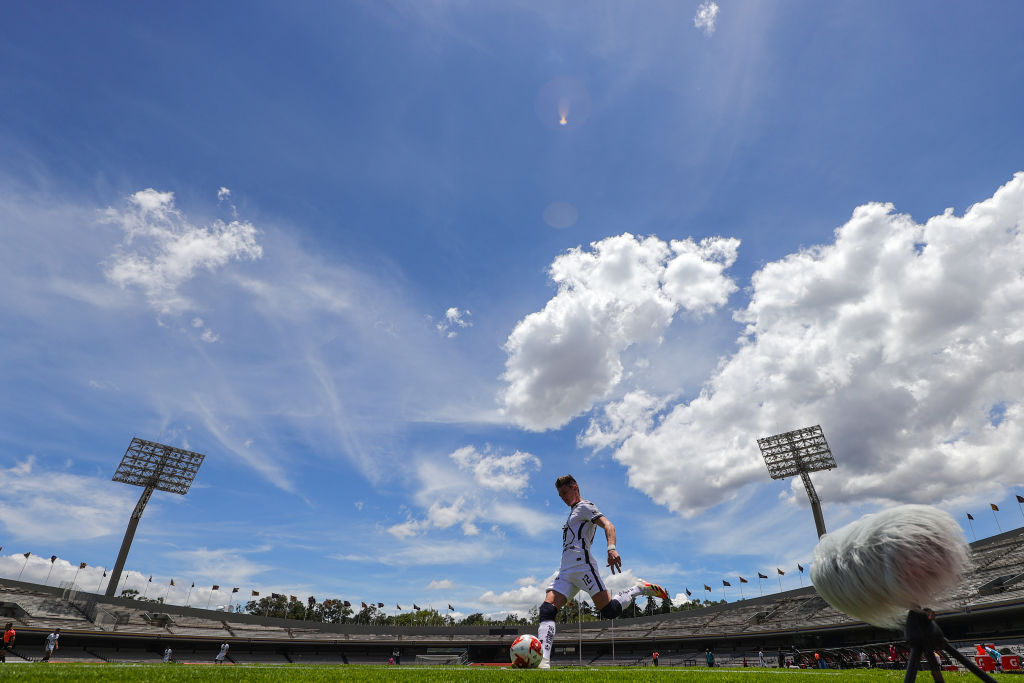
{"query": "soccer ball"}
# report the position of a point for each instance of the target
(526, 652)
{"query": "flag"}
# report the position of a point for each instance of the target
(742, 580)
(995, 508)
(781, 573)
(415, 606)
(707, 587)
(215, 587)
(151, 581)
(27, 554)
(725, 583)
(347, 603)
(761, 576)
(1020, 499)
(398, 606)
(82, 565)
(970, 516)
(275, 596)
(800, 567)
(193, 584)
(255, 594)
(172, 582)
(234, 590)
(364, 605)
(451, 608)
(688, 593)
(381, 605)
(291, 598)
(53, 558)
(104, 574)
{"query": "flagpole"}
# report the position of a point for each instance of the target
(52, 561)
(24, 565)
(579, 621)
(100, 584)
(996, 517)
(741, 589)
(146, 590)
(1019, 501)
(74, 581)
(166, 592)
(189, 593)
(970, 520)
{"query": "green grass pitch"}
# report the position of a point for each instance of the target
(415, 674)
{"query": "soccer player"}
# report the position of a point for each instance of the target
(223, 653)
(51, 644)
(579, 570)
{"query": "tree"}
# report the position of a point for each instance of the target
(666, 606)
(649, 608)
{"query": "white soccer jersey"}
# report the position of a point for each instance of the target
(51, 640)
(578, 533)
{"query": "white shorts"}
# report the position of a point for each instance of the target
(578, 577)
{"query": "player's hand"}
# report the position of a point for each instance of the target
(614, 561)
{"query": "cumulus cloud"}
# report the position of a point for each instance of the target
(903, 340)
(162, 249)
(453, 320)
(707, 15)
(624, 291)
(443, 584)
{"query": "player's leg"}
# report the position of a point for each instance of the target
(553, 601)
(612, 607)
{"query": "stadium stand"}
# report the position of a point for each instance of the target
(988, 606)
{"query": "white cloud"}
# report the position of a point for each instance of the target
(499, 472)
(223, 194)
(443, 584)
(162, 249)
(453, 320)
(625, 291)
(56, 505)
(482, 487)
(707, 15)
(903, 340)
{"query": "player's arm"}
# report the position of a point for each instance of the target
(614, 561)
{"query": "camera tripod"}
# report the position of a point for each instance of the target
(925, 638)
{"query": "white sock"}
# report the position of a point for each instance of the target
(546, 634)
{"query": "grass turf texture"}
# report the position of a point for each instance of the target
(412, 674)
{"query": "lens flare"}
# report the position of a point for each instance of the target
(563, 111)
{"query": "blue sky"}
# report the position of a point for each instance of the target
(350, 253)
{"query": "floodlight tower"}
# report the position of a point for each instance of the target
(800, 451)
(152, 466)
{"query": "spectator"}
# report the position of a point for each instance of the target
(709, 656)
(654, 656)
(782, 658)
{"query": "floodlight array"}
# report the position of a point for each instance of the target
(796, 452)
(165, 468)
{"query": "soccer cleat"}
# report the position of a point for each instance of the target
(545, 664)
(651, 590)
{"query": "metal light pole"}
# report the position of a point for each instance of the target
(152, 466)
